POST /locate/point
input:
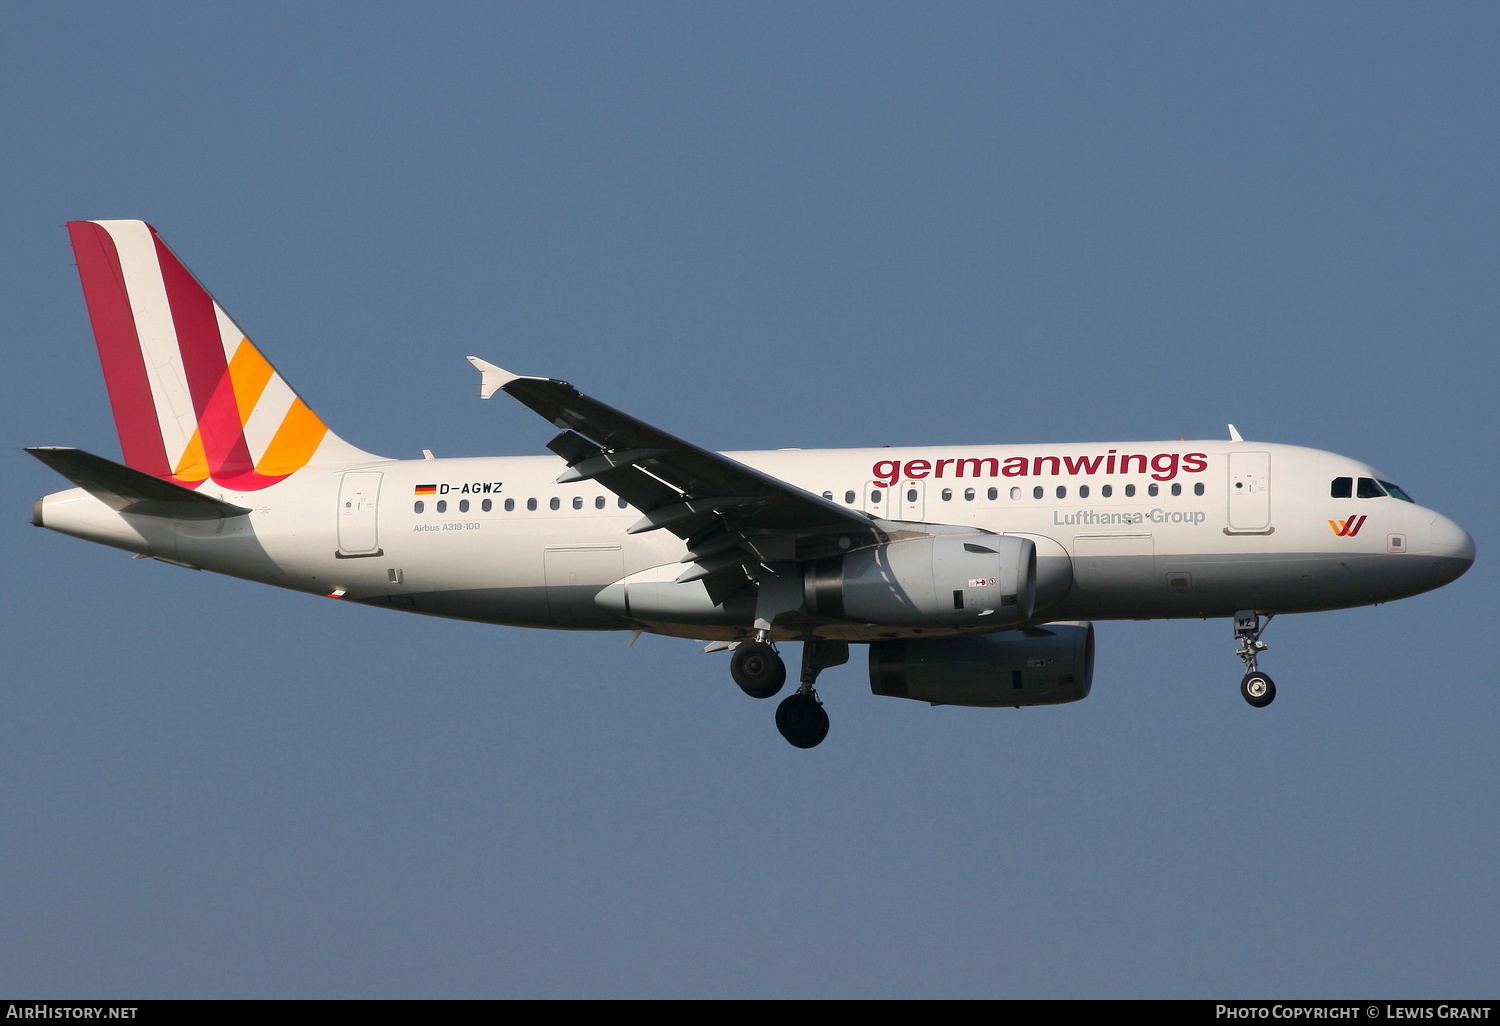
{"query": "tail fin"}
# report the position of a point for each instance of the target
(193, 399)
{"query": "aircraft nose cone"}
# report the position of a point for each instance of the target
(1451, 548)
(1451, 541)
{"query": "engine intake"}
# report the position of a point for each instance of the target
(981, 580)
(1039, 666)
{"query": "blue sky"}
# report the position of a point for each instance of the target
(758, 225)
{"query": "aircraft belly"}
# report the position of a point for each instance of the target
(236, 548)
(1118, 587)
(513, 607)
(1218, 585)
(497, 570)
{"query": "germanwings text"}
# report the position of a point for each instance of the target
(1162, 466)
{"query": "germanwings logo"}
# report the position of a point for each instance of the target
(193, 399)
(1347, 528)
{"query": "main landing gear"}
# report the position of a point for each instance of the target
(1255, 687)
(760, 673)
(757, 669)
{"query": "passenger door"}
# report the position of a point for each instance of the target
(358, 511)
(1250, 493)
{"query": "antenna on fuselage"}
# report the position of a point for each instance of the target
(1234, 434)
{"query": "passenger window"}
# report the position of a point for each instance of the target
(1083, 491)
(531, 504)
(463, 505)
(578, 502)
(1107, 490)
(911, 495)
(968, 495)
(621, 502)
(1152, 489)
(994, 494)
(486, 505)
(875, 496)
(510, 504)
(442, 506)
(1015, 493)
(1343, 488)
(849, 497)
(1370, 489)
(947, 495)
(1038, 492)
(1130, 491)
(828, 496)
(598, 502)
(418, 506)
(1198, 488)
(554, 502)
(1062, 491)
(1176, 489)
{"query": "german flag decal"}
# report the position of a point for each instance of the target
(426, 489)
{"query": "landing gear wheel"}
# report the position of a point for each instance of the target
(757, 669)
(801, 720)
(1258, 689)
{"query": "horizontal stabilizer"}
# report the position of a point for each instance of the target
(133, 491)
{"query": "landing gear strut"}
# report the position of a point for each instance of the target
(800, 717)
(1256, 688)
(760, 672)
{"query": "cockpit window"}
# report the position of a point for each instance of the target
(1369, 488)
(1397, 493)
(1343, 488)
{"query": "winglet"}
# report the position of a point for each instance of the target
(1234, 434)
(491, 378)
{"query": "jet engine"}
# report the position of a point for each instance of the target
(983, 580)
(1036, 666)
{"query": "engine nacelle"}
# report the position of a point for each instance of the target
(1039, 666)
(980, 580)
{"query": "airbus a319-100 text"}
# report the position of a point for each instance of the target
(972, 573)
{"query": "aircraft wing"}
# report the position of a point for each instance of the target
(730, 515)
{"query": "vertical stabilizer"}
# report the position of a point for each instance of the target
(193, 399)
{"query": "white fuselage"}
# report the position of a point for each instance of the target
(1122, 530)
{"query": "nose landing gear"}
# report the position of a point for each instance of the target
(1258, 689)
(1255, 687)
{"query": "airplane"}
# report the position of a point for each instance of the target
(973, 574)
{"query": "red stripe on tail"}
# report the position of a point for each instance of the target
(119, 348)
(207, 371)
(204, 365)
